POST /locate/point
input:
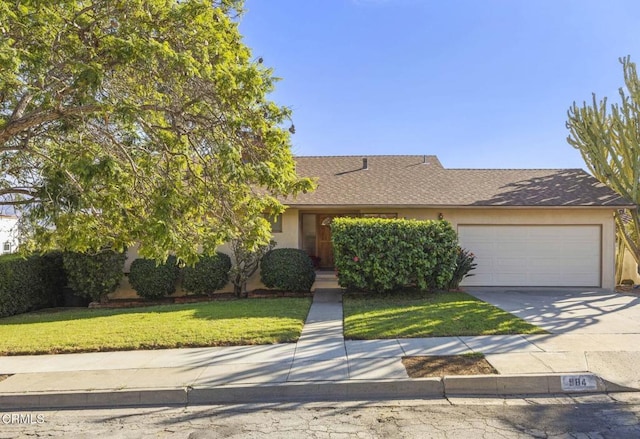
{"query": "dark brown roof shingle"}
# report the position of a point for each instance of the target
(412, 180)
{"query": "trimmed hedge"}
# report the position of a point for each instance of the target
(209, 274)
(287, 269)
(94, 275)
(382, 255)
(151, 280)
(31, 283)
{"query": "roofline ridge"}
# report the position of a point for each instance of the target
(515, 169)
(365, 155)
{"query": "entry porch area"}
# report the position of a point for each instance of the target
(315, 234)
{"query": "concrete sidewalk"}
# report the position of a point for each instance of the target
(320, 366)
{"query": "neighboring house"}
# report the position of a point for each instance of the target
(527, 227)
(8, 234)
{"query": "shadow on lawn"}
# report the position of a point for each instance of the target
(440, 315)
(232, 309)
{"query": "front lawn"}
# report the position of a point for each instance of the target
(224, 323)
(413, 314)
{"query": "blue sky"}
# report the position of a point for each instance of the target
(479, 83)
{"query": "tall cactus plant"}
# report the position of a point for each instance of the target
(608, 137)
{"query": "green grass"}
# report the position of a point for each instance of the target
(412, 314)
(224, 323)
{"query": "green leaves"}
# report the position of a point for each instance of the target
(209, 274)
(382, 255)
(139, 121)
(94, 275)
(151, 280)
(609, 140)
(287, 269)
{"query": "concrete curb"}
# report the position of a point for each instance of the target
(423, 388)
(88, 399)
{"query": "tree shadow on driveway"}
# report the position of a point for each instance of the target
(563, 310)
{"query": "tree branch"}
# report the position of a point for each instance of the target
(17, 126)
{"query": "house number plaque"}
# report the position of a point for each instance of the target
(579, 383)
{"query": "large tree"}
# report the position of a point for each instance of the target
(608, 138)
(146, 121)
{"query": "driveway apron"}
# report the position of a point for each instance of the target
(568, 311)
(589, 329)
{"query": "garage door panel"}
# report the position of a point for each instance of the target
(541, 264)
(534, 255)
(481, 279)
(511, 248)
(509, 266)
(507, 278)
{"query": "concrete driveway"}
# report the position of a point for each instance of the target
(597, 328)
(568, 311)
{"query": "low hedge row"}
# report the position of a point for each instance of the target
(32, 283)
(152, 280)
(38, 281)
(286, 269)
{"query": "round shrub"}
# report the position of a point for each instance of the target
(151, 280)
(287, 269)
(94, 275)
(209, 274)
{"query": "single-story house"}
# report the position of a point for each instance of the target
(526, 227)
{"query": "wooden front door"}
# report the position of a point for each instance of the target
(323, 233)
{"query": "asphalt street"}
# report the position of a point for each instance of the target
(615, 416)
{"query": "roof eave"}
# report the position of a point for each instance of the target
(453, 206)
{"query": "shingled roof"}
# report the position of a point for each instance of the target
(422, 181)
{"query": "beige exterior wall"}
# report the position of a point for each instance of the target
(289, 237)
(602, 217)
(630, 268)
(505, 216)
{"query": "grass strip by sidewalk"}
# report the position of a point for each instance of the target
(413, 314)
(224, 323)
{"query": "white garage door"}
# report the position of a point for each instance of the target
(533, 255)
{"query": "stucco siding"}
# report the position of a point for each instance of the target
(630, 268)
(289, 237)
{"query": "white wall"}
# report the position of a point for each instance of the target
(8, 233)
